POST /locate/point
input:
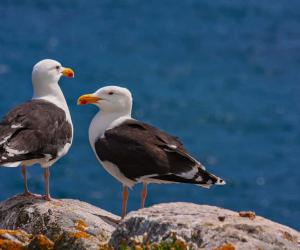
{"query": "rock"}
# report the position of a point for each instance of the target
(13, 239)
(69, 224)
(20, 240)
(35, 224)
(40, 242)
(202, 227)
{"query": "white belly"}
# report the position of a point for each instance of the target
(97, 129)
(113, 170)
(44, 162)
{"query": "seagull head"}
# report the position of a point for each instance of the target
(49, 71)
(112, 99)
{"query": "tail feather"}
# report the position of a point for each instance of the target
(201, 178)
(218, 181)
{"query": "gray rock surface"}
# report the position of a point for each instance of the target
(204, 227)
(66, 222)
(31, 223)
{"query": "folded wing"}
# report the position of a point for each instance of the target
(141, 152)
(34, 130)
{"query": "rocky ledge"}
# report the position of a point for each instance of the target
(64, 224)
(70, 224)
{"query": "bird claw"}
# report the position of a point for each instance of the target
(47, 197)
(53, 201)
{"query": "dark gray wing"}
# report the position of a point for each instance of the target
(140, 150)
(33, 130)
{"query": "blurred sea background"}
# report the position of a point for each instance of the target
(222, 75)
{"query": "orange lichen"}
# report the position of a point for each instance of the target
(180, 244)
(227, 246)
(81, 225)
(12, 232)
(43, 242)
(79, 235)
(249, 214)
(10, 245)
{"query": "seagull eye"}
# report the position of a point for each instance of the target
(110, 93)
(57, 67)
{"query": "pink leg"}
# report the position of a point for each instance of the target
(144, 195)
(124, 202)
(46, 177)
(24, 173)
(26, 191)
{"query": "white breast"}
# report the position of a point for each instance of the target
(100, 123)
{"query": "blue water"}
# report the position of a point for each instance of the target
(221, 75)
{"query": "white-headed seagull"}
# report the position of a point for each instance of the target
(40, 130)
(133, 151)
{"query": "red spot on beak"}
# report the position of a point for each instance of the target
(68, 72)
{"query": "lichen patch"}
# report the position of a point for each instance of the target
(227, 246)
(10, 245)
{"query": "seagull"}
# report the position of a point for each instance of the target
(135, 152)
(39, 131)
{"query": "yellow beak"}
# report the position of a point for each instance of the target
(87, 99)
(68, 72)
